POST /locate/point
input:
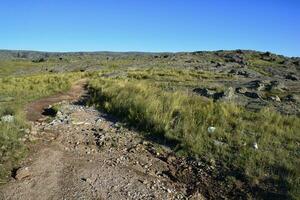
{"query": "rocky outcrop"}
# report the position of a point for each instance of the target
(227, 95)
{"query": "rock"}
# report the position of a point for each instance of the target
(292, 77)
(33, 131)
(31, 138)
(27, 130)
(218, 95)
(244, 73)
(267, 56)
(241, 90)
(213, 94)
(7, 118)
(211, 129)
(234, 58)
(240, 73)
(77, 122)
(218, 143)
(218, 65)
(171, 158)
(60, 116)
(275, 98)
(292, 98)
(197, 196)
(257, 85)
(256, 105)
(22, 173)
(204, 92)
(98, 121)
(253, 95)
(229, 94)
(88, 180)
(255, 145)
(297, 62)
(275, 85)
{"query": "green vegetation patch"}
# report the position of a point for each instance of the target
(14, 94)
(264, 146)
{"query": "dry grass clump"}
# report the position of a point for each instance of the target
(263, 145)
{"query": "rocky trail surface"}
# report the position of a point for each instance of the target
(82, 153)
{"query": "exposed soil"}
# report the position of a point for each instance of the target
(35, 109)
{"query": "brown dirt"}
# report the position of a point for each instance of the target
(35, 109)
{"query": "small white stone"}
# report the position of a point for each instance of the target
(255, 145)
(211, 129)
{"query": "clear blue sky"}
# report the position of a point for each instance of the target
(151, 25)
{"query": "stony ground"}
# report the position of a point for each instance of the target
(82, 153)
(86, 156)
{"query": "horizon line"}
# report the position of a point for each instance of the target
(153, 52)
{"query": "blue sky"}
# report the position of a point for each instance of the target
(151, 25)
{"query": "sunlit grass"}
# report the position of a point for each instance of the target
(181, 116)
(15, 93)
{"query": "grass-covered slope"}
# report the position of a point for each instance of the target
(263, 63)
(185, 117)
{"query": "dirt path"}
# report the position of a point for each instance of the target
(85, 154)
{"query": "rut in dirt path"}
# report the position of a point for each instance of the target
(35, 109)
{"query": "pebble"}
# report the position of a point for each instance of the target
(255, 145)
(211, 129)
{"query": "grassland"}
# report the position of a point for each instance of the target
(153, 92)
(143, 100)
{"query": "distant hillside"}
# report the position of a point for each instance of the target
(253, 62)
